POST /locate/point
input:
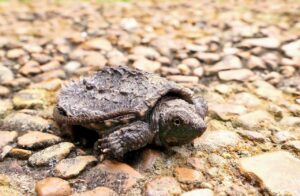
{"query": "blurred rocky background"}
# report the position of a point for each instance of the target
(243, 55)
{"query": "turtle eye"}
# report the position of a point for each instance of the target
(177, 122)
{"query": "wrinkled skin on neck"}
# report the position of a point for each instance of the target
(178, 122)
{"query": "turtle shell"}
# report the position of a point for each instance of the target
(115, 92)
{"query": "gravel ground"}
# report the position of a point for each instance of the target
(243, 56)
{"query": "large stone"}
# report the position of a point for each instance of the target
(53, 186)
(68, 168)
(254, 120)
(161, 186)
(148, 159)
(238, 75)
(277, 171)
(37, 139)
(208, 58)
(51, 154)
(103, 191)
(7, 137)
(290, 121)
(267, 91)
(24, 122)
(217, 140)
(30, 98)
(15, 53)
(253, 135)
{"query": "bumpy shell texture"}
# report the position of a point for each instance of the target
(112, 90)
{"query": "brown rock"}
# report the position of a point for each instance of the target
(198, 71)
(162, 186)
(188, 176)
(68, 168)
(226, 111)
(208, 58)
(294, 145)
(267, 42)
(103, 191)
(229, 62)
(53, 186)
(7, 137)
(94, 59)
(36, 139)
(20, 153)
(253, 135)
(146, 52)
(239, 75)
(191, 62)
(277, 171)
(53, 65)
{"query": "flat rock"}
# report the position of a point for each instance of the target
(9, 191)
(161, 186)
(68, 168)
(51, 154)
(103, 191)
(216, 140)
(197, 163)
(30, 98)
(238, 75)
(199, 192)
(246, 99)
(191, 62)
(277, 171)
(15, 53)
(4, 151)
(208, 58)
(267, 91)
(5, 106)
(282, 136)
(253, 135)
(71, 66)
(147, 52)
(267, 42)
(97, 44)
(254, 120)
(20, 153)
(226, 111)
(183, 79)
(188, 176)
(7, 137)
(228, 62)
(290, 121)
(146, 65)
(93, 59)
(256, 62)
(53, 186)
(5, 74)
(37, 139)
(294, 145)
(292, 49)
(24, 122)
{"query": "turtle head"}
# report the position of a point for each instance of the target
(179, 122)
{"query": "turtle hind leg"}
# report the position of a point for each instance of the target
(127, 138)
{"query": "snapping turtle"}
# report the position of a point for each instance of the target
(131, 108)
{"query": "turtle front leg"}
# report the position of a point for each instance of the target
(127, 138)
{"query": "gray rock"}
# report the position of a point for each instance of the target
(212, 141)
(51, 154)
(23, 122)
